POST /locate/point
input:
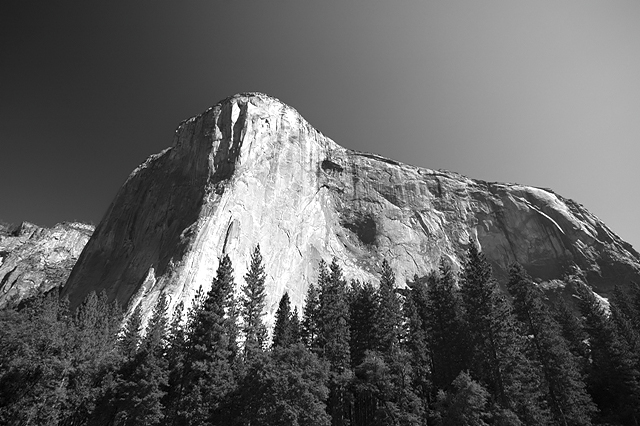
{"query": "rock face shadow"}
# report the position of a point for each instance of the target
(331, 166)
(364, 227)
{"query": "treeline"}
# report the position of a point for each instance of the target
(447, 349)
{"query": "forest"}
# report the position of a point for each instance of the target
(450, 348)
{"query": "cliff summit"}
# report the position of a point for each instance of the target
(250, 170)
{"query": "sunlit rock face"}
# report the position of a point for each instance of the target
(34, 260)
(251, 170)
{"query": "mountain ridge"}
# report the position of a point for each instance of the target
(35, 259)
(251, 170)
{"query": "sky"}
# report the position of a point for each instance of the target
(542, 93)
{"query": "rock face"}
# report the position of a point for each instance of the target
(251, 170)
(35, 259)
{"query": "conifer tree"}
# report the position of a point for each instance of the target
(573, 333)
(33, 363)
(416, 337)
(232, 328)
(614, 380)
(196, 306)
(175, 353)
(363, 307)
(445, 325)
(565, 391)
(624, 303)
(498, 358)
(208, 374)
(176, 337)
(97, 325)
(333, 318)
(252, 306)
(385, 376)
(283, 333)
(132, 333)
(634, 302)
(388, 314)
(296, 326)
(333, 338)
(310, 326)
(362, 314)
(154, 340)
(142, 380)
(622, 313)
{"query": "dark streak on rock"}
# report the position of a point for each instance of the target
(230, 144)
(226, 237)
(422, 224)
(5, 279)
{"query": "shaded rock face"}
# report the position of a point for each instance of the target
(34, 260)
(251, 170)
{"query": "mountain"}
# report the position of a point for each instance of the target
(34, 259)
(250, 170)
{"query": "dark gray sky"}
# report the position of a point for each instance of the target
(543, 93)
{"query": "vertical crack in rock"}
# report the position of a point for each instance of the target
(226, 237)
(422, 224)
(231, 142)
(5, 279)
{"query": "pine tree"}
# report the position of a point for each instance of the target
(622, 313)
(388, 315)
(362, 314)
(383, 391)
(565, 391)
(132, 333)
(154, 340)
(498, 358)
(310, 326)
(634, 302)
(296, 326)
(283, 333)
(363, 307)
(252, 306)
(614, 380)
(333, 319)
(333, 337)
(232, 328)
(142, 380)
(445, 325)
(176, 336)
(573, 333)
(53, 364)
(96, 328)
(416, 337)
(208, 373)
(624, 303)
(176, 348)
(34, 367)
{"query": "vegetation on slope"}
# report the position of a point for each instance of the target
(443, 350)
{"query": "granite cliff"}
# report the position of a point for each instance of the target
(251, 170)
(34, 259)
